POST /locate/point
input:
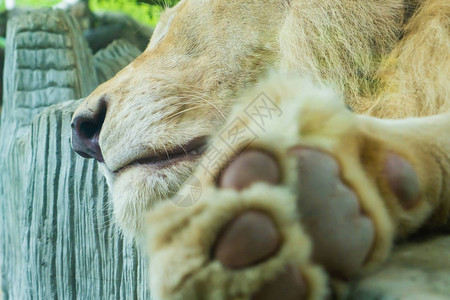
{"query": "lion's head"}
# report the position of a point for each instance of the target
(150, 123)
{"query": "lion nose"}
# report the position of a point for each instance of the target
(86, 127)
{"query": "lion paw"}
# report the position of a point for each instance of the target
(288, 216)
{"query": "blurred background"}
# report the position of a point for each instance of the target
(101, 21)
(144, 11)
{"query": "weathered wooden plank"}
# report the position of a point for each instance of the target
(20, 105)
(57, 239)
(56, 61)
(70, 222)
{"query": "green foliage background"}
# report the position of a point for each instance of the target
(144, 11)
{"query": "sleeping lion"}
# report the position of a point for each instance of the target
(292, 141)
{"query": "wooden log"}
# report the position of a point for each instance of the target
(57, 239)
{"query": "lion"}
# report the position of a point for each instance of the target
(297, 140)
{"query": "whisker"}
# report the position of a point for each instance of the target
(192, 92)
(171, 117)
(165, 150)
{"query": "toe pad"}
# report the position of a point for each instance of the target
(248, 239)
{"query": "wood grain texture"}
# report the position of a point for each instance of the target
(72, 246)
(57, 238)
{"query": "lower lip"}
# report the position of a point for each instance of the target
(160, 165)
(164, 163)
(171, 162)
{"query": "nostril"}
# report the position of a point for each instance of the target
(89, 129)
(86, 129)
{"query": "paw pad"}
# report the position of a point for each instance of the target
(249, 167)
(402, 180)
(330, 211)
(248, 239)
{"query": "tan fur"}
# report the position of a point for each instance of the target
(415, 76)
(179, 239)
(206, 63)
(387, 58)
(192, 235)
(194, 229)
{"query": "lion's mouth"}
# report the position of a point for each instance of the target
(190, 151)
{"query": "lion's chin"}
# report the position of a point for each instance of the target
(137, 189)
